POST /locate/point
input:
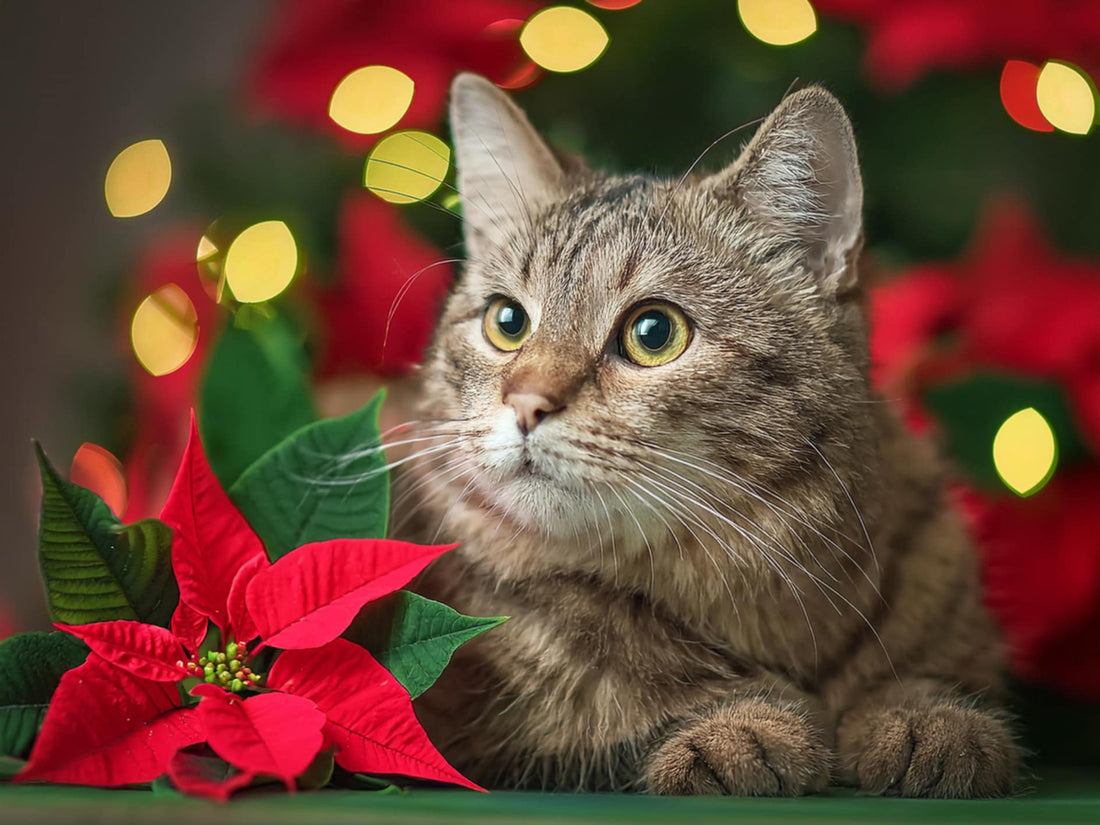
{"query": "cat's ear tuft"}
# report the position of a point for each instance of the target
(505, 171)
(799, 176)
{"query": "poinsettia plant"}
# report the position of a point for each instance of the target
(206, 646)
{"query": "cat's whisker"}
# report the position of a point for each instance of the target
(719, 502)
(641, 532)
(680, 514)
(360, 477)
(415, 423)
(822, 587)
(338, 461)
(467, 470)
(741, 530)
(611, 532)
(772, 563)
(429, 474)
(696, 162)
(848, 494)
(404, 290)
(791, 512)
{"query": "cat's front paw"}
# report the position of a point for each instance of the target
(942, 750)
(751, 748)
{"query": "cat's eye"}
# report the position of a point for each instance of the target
(506, 324)
(654, 334)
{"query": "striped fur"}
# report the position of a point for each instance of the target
(734, 573)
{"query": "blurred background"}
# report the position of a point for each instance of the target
(244, 207)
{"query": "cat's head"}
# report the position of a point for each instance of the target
(616, 345)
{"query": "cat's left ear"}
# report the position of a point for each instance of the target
(799, 177)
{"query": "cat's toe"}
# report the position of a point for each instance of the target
(946, 751)
(752, 748)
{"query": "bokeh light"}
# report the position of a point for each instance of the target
(778, 22)
(97, 469)
(165, 330)
(137, 179)
(563, 39)
(371, 99)
(614, 5)
(210, 261)
(1018, 86)
(452, 202)
(261, 262)
(1025, 452)
(1066, 97)
(406, 167)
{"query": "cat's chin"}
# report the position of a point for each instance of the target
(531, 497)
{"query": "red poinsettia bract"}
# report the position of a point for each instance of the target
(908, 38)
(314, 44)
(123, 716)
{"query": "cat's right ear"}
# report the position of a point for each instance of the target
(505, 171)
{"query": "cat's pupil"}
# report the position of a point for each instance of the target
(511, 319)
(653, 329)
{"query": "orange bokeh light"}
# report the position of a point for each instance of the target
(614, 5)
(97, 469)
(526, 71)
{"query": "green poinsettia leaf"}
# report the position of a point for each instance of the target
(31, 665)
(971, 410)
(363, 782)
(414, 637)
(95, 568)
(254, 393)
(162, 786)
(10, 766)
(325, 481)
(319, 772)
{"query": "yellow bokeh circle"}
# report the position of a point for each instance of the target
(165, 330)
(261, 262)
(371, 99)
(137, 179)
(563, 39)
(1066, 97)
(778, 22)
(1025, 451)
(407, 167)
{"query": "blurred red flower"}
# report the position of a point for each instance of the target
(314, 44)
(1015, 306)
(1041, 570)
(909, 38)
(379, 314)
(1012, 304)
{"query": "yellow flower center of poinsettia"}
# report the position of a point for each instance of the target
(225, 668)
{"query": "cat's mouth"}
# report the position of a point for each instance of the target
(529, 467)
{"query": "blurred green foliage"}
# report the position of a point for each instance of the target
(678, 75)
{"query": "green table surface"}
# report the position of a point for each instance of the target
(1066, 797)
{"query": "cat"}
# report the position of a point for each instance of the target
(646, 419)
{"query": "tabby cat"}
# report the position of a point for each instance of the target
(646, 417)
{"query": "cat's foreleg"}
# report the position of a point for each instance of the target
(767, 743)
(923, 738)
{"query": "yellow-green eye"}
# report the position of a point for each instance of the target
(654, 334)
(506, 324)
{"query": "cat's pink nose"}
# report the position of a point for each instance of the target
(531, 408)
